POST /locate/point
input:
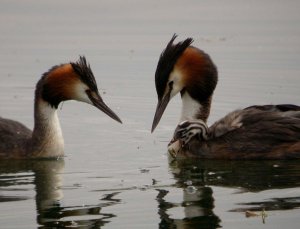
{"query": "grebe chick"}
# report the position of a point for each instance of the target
(256, 132)
(71, 81)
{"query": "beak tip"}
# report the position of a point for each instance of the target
(114, 117)
(104, 108)
(153, 128)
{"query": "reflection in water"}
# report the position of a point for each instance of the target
(196, 177)
(287, 203)
(58, 216)
(197, 206)
(251, 176)
(198, 202)
(194, 180)
(46, 175)
(10, 180)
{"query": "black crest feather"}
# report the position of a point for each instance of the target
(83, 69)
(53, 97)
(166, 62)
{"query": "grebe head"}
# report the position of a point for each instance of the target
(185, 69)
(73, 81)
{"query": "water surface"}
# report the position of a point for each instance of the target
(116, 175)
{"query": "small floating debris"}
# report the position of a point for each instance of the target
(154, 181)
(263, 214)
(144, 187)
(251, 214)
(144, 170)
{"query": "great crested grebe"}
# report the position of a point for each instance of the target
(71, 81)
(256, 132)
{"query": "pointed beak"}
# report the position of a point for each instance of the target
(161, 106)
(98, 102)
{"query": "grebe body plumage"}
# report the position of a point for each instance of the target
(256, 132)
(71, 81)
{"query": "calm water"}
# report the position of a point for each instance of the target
(119, 176)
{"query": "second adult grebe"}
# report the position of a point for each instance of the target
(256, 132)
(71, 81)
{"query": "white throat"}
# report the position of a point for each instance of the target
(50, 142)
(190, 108)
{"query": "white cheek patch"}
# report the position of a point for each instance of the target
(176, 78)
(80, 93)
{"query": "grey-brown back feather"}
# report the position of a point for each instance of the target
(13, 136)
(254, 132)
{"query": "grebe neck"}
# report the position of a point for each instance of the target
(47, 139)
(193, 109)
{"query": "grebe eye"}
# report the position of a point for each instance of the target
(171, 84)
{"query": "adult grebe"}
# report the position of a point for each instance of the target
(71, 81)
(256, 132)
